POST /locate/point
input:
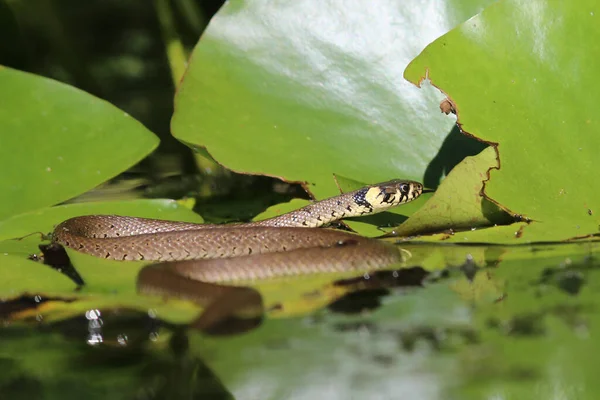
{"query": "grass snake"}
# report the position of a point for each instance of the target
(200, 262)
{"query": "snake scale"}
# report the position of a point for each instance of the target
(199, 261)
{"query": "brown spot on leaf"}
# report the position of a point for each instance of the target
(447, 106)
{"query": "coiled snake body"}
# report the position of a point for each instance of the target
(194, 258)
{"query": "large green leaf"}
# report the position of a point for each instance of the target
(268, 92)
(523, 75)
(58, 142)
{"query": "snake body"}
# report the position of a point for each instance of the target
(193, 258)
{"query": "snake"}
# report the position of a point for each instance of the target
(203, 262)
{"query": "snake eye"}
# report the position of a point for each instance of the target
(404, 188)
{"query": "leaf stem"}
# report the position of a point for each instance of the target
(175, 51)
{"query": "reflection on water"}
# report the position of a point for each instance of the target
(455, 322)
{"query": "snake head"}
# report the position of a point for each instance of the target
(382, 196)
(397, 192)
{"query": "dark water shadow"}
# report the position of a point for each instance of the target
(153, 371)
(56, 257)
(367, 291)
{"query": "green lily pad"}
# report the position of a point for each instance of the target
(531, 93)
(504, 234)
(22, 234)
(303, 99)
(59, 142)
(45, 219)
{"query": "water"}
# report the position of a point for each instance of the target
(456, 322)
